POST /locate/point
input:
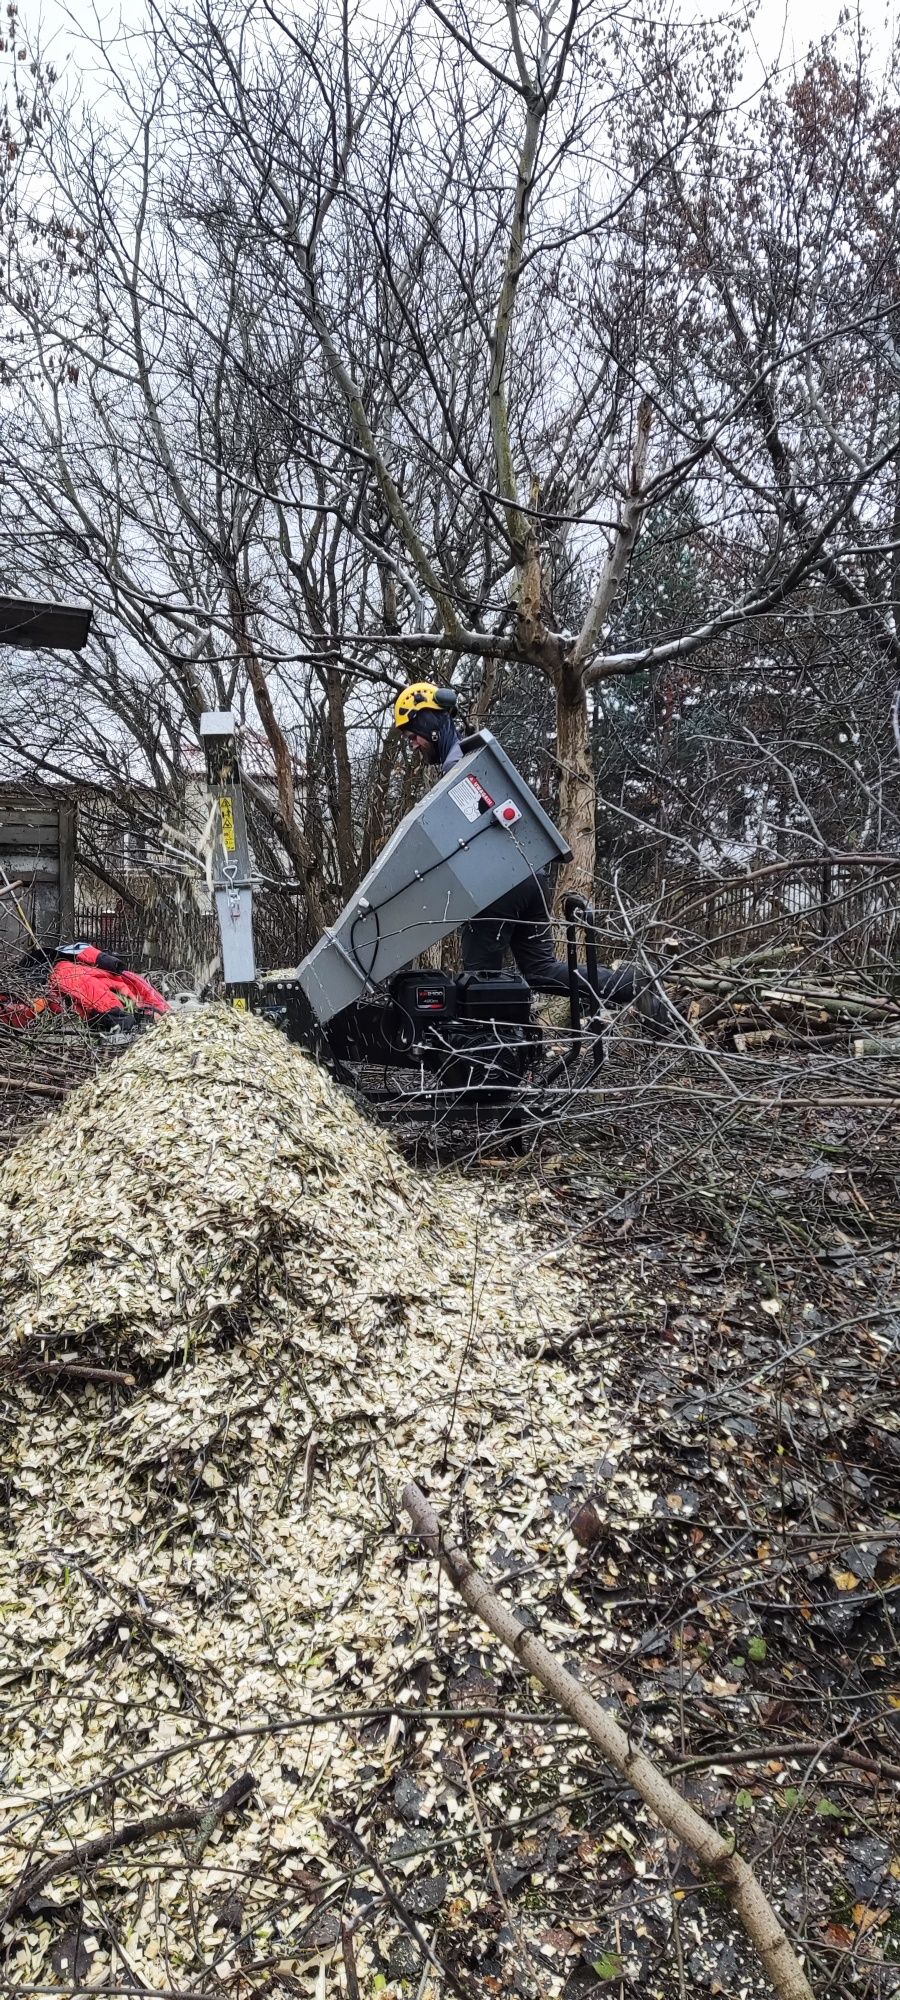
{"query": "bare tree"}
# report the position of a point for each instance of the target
(355, 357)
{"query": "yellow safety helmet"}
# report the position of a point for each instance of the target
(422, 698)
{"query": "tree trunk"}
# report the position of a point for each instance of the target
(342, 800)
(577, 800)
(375, 829)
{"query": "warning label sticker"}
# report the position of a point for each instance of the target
(229, 838)
(471, 796)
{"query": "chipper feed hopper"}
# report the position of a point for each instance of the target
(479, 832)
(426, 1040)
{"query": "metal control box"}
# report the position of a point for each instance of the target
(232, 876)
(478, 833)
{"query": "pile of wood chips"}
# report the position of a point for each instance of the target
(202, 1553)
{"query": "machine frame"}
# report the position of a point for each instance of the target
(473, 1048)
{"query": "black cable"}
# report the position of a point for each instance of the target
(367, 976)
(373, 910)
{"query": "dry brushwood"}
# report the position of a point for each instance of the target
(752, 1009)
(345, 1835)
(728, 1868)
(40, 1065)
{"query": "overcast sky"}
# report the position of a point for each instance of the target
(788, 26)
(781, 29)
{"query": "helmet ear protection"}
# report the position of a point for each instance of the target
(423, 698)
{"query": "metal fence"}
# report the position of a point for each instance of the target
(121, 930)
(187, 941)
(849, 911)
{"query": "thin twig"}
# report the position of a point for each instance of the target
(492, 1870)
(349, 1958)
(80, 1371)
(763, 1754)
(309, 1469)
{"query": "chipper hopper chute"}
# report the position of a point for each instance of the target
(432, 1043)
(479, 833)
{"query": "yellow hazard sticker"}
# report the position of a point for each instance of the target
(240, 1003)
(226, 809)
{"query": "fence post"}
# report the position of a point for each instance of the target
(826, 898)
(66, 871)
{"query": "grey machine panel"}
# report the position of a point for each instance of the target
(449, 860)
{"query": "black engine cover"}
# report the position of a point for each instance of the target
(473, 1034)
(418, 998)
(493, 996)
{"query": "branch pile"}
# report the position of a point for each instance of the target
(39, 1065)
(748, 1005)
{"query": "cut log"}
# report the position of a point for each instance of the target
(760, 1038)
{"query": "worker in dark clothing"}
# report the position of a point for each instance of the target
(520, 920)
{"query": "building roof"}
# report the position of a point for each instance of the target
(28, 622)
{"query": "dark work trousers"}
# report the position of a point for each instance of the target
(519, 922)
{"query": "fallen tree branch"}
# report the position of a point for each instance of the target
(80, 1371)
(219, 1807)
(857, 1761)
(321, 1719)
(729, 1869)
(28, 1087)
(187, 1820)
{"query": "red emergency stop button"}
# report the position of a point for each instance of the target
(507, 814)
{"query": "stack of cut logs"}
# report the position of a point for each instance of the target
(746, 1004)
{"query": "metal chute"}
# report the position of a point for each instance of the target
(477, 834)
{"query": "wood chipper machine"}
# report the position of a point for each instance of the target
(414, 1039)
